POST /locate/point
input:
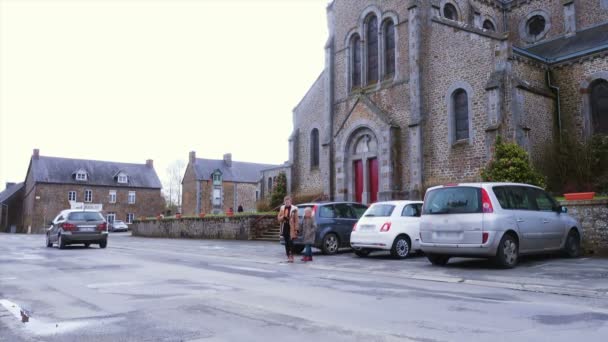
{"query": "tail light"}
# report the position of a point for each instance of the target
(484, 237)
(68, 226)
(102, 226)
(486, 203)
(355, 227)
(385, 227)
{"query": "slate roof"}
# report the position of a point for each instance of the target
(10, 191)
(240, 172)
(101, 173)
(562, 47)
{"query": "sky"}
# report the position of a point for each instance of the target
(130, 80)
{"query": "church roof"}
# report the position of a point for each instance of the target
(585, 41)
(239, 172)
(101, 173)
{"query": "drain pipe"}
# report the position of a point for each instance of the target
(555, 89)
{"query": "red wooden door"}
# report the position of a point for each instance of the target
(358, 171)
(372, 164)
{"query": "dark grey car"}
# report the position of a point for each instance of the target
(77, 227)
(335, 221)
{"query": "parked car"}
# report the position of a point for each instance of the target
(118, 226)
(77, 227)
(335, 222)
(495, 220)
(388, 226)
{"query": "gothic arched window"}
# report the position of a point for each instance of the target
(389, 47)
(489, 25)
(314, 148)
(599, 106)
(460, 103)
(450, 12)
(355, 63)
(372, 50)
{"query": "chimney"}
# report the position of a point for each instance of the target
(228, 159)
(9, 184)
(192, 158)
(36, 154)
(150, 163)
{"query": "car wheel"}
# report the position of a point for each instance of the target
(401, 247)
(508, 252)
(49, 244)
(438, 260)
(362, 252)
(61, 242)
(572, 249)
(330, 244)
(86, 245)
(103, 244)
(297, 249)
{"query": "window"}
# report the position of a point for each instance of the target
(217, 197)
(112, 196)
(72, 196)
(130, 217)
(599, 106)
(269, 184)
(85, 216)
(450, 12)
(81, 175)
(389, 47)
(536, 25)
(217, 177)
(372, 50)
(355, 48)
(461, 114)
(380, 210)
(131, 197)
(111, 217)
(519, 199)
(359, 210)
(327, 211)
(542, 200)
(343, 211)
(489, 25)
(453, 200)
(88, 196)
(122, 178)
(411, 210)
(314, 148)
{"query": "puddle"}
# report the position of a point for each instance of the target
(43, 328)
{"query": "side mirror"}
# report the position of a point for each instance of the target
(563, 210)
(50, 223)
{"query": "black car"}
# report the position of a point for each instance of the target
(335, 221)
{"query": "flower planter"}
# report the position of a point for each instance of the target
(579, 196)
(201, 215)
(178, 216)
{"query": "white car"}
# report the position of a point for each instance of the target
(388, 226)
(119, 226)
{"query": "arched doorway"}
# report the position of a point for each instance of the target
(362, 167)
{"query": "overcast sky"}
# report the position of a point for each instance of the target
(130, 80)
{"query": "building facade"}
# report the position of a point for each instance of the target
(125, 191)
(414, 93)
(218, 185)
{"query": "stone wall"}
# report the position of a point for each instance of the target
(593, 216)
(241, 227)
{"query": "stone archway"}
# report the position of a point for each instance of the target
(361, 166)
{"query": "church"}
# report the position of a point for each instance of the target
(414, 93)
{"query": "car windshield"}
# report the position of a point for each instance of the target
(380, 210)
(454, 200)
(85, 216)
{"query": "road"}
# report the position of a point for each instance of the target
(184, 290)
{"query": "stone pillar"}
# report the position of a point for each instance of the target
(327, 150)
(569, 17)
(477, 19)
(415, 128)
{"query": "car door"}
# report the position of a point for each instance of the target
(552, 228)
(408, 222)
(55, 227)
(345, 220)
(526, 217)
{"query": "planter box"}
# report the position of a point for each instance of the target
(579, 196)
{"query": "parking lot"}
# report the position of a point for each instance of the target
(188, 290)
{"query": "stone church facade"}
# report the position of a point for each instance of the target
(415, 93)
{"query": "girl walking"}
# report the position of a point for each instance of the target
(308, 228)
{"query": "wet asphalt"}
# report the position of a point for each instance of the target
(186, 290)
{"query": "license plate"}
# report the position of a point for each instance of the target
(87, 229)
(367, 227)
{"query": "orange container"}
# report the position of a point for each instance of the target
(579, 196)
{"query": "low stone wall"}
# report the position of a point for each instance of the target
(593, 216)
(225, 228)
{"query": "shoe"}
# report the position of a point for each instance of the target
(304, 258)
(290, 259)
(310, 258)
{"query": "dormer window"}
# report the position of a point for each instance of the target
(217, 177)
(81, 175)
(122, 178)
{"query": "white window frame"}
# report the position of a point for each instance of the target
(111, 217)
(122, 178)
(70, 193)
(81, 176)
(130, 218)
(112, 196)
(88, 196)
(132, 197)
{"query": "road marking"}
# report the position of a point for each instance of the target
(9, 278)
(116, 284)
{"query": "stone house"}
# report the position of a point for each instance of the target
(11, 205)
(216, 185)
(125, 191)
(414, 93)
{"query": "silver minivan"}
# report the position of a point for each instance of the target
(495, 220)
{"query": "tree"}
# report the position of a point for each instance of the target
(279, 191)
(173, 185)
(511, 164)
